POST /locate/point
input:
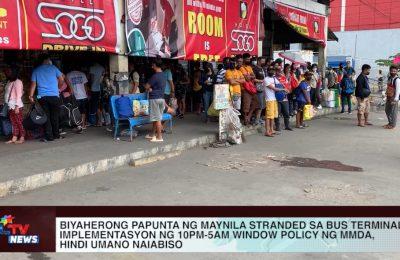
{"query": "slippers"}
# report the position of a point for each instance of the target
(155, 140)
(368, 123)
(361, 125)
(149, 137)
(268, 135)
(300, 127)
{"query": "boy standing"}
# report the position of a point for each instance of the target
(271, 111)
(303, 98)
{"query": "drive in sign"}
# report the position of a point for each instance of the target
(66, 25)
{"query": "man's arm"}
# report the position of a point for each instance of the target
(147, 86)
(307, 96)
(69, 85)
(272, 86)
(60, 80)
(171, 83)
(32, 92)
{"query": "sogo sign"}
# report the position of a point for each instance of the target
(63, 24)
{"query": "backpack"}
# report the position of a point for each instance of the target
(124, 107)
(348, 86)
(391, 90)
(70, 114)
(280, 95)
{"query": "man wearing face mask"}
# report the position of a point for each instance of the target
(260, 74)
(392, 101)
(250, 101)
(303, 98)
(363, 92)
(315, 87)
(271, 111)
(234, 78)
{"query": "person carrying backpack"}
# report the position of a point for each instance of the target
(392, 100)
(347, 89)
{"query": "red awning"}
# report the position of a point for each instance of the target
(309, 25)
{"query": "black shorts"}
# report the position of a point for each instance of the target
(82, 105)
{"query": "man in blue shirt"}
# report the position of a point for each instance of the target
(96, 74)
(169, 85)
(156, 89)
(349, 70)
(46, 78)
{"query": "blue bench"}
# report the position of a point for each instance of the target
(133, 121)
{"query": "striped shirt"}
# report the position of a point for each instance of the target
(221, 76)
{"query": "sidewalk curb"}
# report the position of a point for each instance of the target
(62, 175)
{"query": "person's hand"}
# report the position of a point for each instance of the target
(16, 110)
(172, 94)
(31, 99)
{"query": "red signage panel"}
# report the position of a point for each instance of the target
(242, 27)
(9, 24)
(69, 25)
(305, 23)
(205, 29)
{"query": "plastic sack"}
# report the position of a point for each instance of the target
(308, 112)
(234, 126)
(136, 107)
(144, 107)
(212, 111)
(331, 95)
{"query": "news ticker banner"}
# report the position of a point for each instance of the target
(192, 29)
(200, 229)
(60, 25)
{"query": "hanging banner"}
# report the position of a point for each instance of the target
(242, 25)
(9, 29)
(192, 29)
(64, 25)
(155, 28)
(305, 23)
(205, 29)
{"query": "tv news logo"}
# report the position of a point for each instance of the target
(16, 233)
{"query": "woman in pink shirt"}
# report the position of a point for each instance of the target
(13, 97)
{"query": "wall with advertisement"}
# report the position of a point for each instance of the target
(192, 29)
(61, 25)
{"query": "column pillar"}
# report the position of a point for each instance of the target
(119, 73)
(322, 53)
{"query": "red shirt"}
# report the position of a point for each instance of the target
(283, 80)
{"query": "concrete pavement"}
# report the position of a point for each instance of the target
(251, 174)
(34, 164)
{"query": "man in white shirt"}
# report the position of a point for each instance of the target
(271, 104)
(78, 81)
(392, 100)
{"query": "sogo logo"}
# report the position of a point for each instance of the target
(81, 25)
(244, 40)
(135, 11)
(16, 233)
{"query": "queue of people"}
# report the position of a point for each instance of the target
(262, 89)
